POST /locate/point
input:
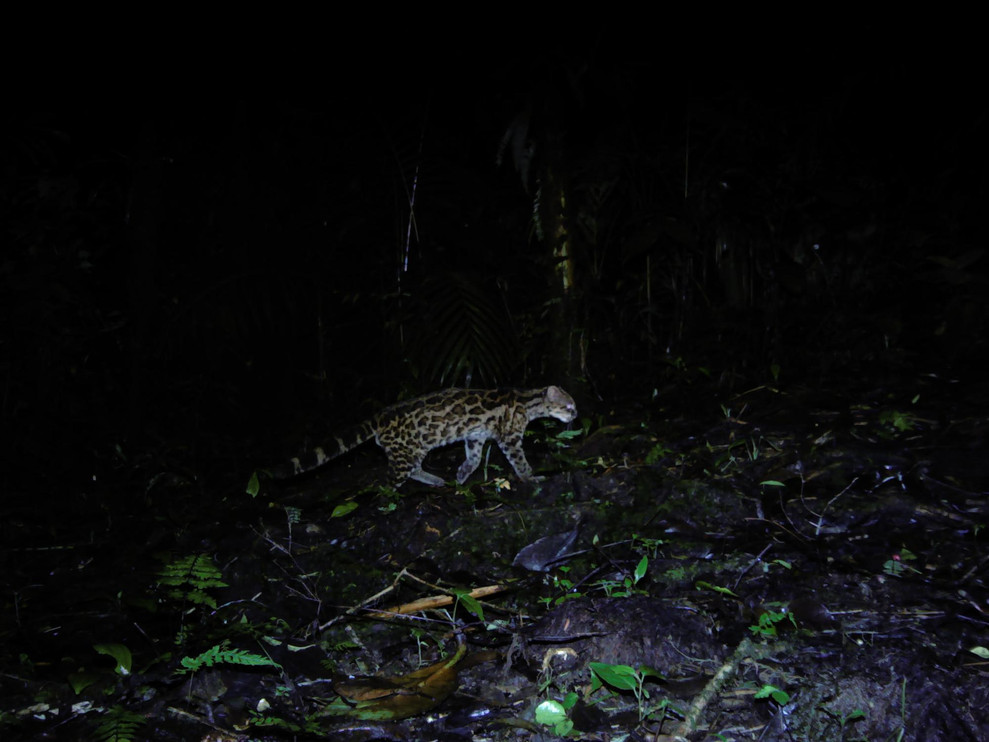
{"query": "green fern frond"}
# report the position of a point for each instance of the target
(189, 578)
(221, 654)
(463, 332)
(197, 570)
(293, 514)
(119, 725)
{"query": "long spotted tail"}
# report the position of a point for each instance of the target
(316, 457)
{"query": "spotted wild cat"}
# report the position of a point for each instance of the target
(409, 430)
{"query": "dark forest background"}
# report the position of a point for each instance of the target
(207, 279)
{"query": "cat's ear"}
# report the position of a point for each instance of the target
(555, 394)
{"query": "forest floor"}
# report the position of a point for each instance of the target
(779, 565)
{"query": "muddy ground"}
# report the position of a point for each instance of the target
(771, 564)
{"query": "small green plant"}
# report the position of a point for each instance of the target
(768, 621)
(293, 515)
(344, 508)
(649, 545)
(626, 588)
(564, 584)
(657, 453)
(121, 655)
(562, 438)
(309, 726)
(675, 574)
(845, 719)
(188, 578)
(420, 637)
(897, 420)
(83, 678)
(222, 654)
(390, 495)
(778, 563)
(903, 710)
(559, 443)
(778, 696)
(730, 459)
(896, 565)
(469, 602)
(186, 581)
(625, 678)
(702, 585)
(253, 485)
(119, 725)
(555, 714)
(751, 447)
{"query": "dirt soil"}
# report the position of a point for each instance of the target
(767, 565)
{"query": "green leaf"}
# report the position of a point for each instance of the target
(570, 700)
(771, 691)
(657, 453)
(253, 486)
(701, 585)
(470, 603)
(550, 713)
(645, 671)
(120, 653)
(344, 509)
(567, 435)
(621, 677)
(640, 569)
(82, 680)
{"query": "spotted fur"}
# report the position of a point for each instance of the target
(409, 430)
